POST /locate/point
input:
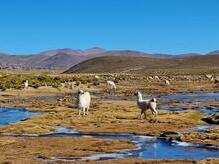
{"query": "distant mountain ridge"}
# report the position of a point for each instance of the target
(65, 58)
(51, 59)
(116, 64)
(69, 51)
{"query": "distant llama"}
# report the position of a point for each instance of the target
(26, 84)
(111, 86)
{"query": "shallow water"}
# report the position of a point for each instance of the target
(192, 98)
(177, 108)
(188, 97)
(148, 147)
(202, 128)
(12, 115)
(209, 111)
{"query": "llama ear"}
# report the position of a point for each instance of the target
(80, 91)
(136, 92)
(153, 100)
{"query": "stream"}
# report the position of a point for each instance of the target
(147, 147)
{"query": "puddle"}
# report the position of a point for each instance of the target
(12, 115)
(167, 108)
(201, 128)
(209, 111)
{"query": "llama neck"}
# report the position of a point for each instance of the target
(139, 96)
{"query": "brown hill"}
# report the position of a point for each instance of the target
(142, 64)
(52, 59)
(59, 58)
(63, 59)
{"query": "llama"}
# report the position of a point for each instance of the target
(146, 104)
(26, 84)
(84, 100)
(167, 82)
(156, 78)
(150, 78)
(208, 76)
(111, 86)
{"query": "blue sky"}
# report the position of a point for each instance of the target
(164, 26)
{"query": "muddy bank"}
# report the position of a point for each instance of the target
(28, 149)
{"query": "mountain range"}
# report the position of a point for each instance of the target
(127, 64)
(62, 59)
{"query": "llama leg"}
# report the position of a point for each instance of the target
(139, 117)
(107, 88)
(88, 110)
(144, 115)
(84, 110)
(154, 113)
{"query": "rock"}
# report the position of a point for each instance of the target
(42, 157)
(25, 119)
(171, 135)
(214, 119)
